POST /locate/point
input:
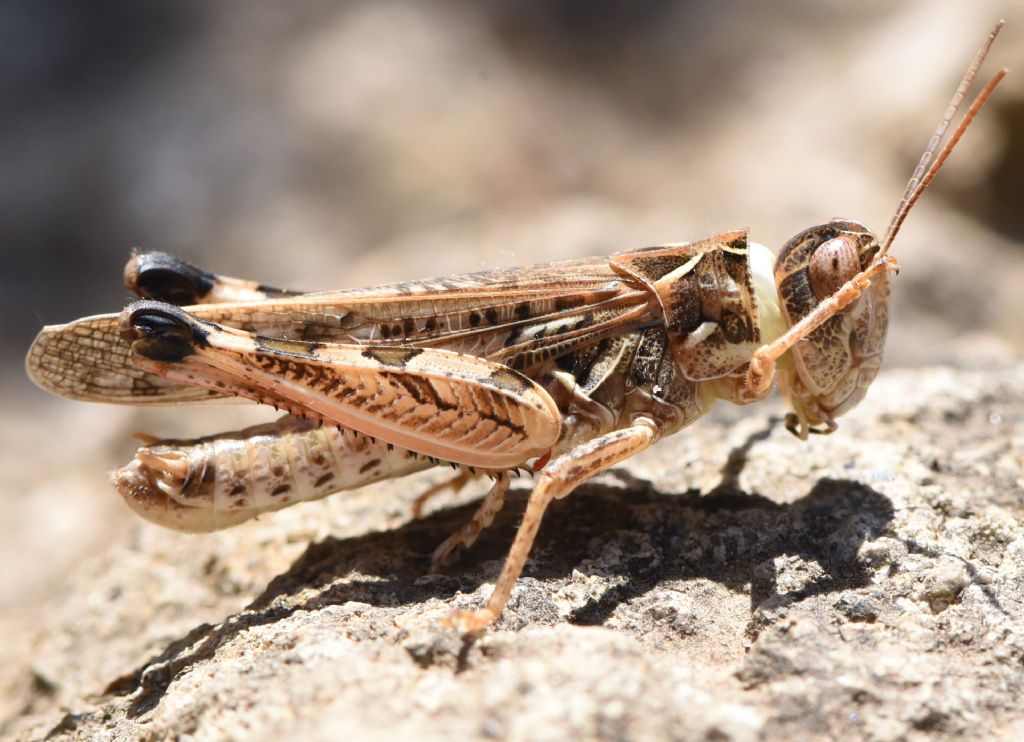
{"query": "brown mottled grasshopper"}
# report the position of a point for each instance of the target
(565, 369)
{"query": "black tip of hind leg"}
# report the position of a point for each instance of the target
(161, 332)
(163, 277)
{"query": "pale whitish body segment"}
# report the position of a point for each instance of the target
(563, 369)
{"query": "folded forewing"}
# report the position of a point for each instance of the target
(519, 316)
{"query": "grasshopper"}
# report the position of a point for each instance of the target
(563, 369)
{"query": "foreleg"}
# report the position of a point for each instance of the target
(761, 370)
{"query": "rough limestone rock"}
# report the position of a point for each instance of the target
(732, 583)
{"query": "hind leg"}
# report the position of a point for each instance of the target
(163, 277)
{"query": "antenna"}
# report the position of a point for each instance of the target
(923, 174)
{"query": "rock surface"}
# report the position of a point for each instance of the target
(731, 583)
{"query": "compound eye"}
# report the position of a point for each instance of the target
(834, 263)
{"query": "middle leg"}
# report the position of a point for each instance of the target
(557, 480)
(455, 484)
(482, 518)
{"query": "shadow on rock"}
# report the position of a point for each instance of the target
(727, 537)
(621, 529)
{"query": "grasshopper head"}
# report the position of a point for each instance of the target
(842, 268)
(835, 278)
(834, 365)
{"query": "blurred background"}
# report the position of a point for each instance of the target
(318, 146)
